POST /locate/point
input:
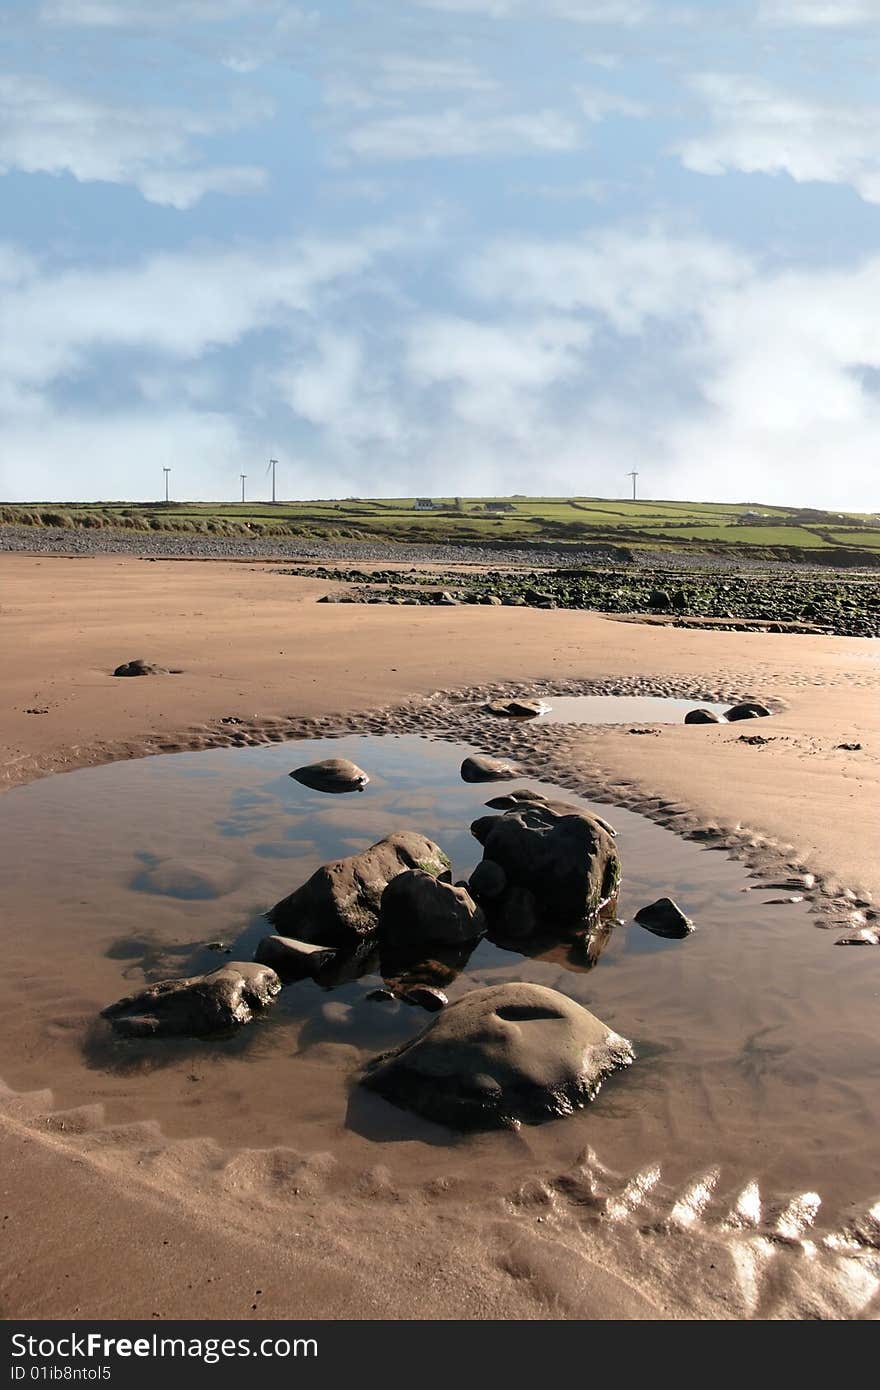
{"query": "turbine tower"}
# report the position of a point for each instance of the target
(242, 476)
(633, 475)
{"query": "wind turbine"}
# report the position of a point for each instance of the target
(272, 464)
(242, 476)
(633, 475)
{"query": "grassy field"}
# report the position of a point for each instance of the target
(789, 533)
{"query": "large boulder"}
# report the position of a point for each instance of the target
(339, 904)
(525, 796)
(502, 1056)
(561, 866)
(479, 768)
(747, 710)
(332, 775)
(418, 910)
(198, 1006)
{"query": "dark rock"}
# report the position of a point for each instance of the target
(478, 768)
(747, 710)
(332, 775)
(665, 918)
(426, 997)
(292, 959)
(517, 709)
(417, 908)
(140, 668)
(561, 865)
(339, 904)
(703, 716)
(381, 996)
(849, 747)
(488, 880)
(502, 1056)
(659, 600)
(198, 1006)
(525, 796)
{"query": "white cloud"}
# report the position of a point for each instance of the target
(628, 277)
(821, 14)
(183, 188)
(178, 305)
(454, 132)
(626, 12)
(336, 385)
(758, 128)
(45, 129)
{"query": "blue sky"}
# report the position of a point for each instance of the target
(441, 246)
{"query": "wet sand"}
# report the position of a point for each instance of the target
(254, 647)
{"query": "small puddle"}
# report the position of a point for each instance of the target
(756, 1038)
(622, 709)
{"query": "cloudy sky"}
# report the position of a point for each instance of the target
(441, 246)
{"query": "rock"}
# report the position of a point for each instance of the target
(339, 904)
(863, 936)
(445, 599)
(703, 716)
(665, 918)
(517, 709)
(659, 600)
(561, 865)
(332, 775)
(524, 796)
(747, 710)
(292, 959)
(418, 909)
(488, 880)
(499, 1057)
(381, 996)
(478, 768)
(140, 668)
(426, 997)
(198, 1006)
(175, 878)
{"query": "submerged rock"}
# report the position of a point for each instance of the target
(479, 768)
(140, 667)
(501, 1056)
(665, 918)
(332, 775)
(703, 716)
(518, 709)
(292, 959)
(747, 710)
(198, 1006)
(428, 997)
(417, 908)
(339, 904)
(560, 863)
(488, 880)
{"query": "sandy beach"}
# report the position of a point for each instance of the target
(253, 648)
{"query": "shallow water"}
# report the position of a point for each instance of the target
(622, 709)
(756, 1038)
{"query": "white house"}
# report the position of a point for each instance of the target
(424, 504)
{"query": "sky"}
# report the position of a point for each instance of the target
(448, 247)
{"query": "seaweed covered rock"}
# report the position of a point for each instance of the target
(419, 909)
(339, 904)
(198, 1006)
(560, 864)
(332, 775)
(502, 1056)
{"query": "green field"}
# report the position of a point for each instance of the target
(689, 526)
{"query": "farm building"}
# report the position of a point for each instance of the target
(424, 504)
(500, 507)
